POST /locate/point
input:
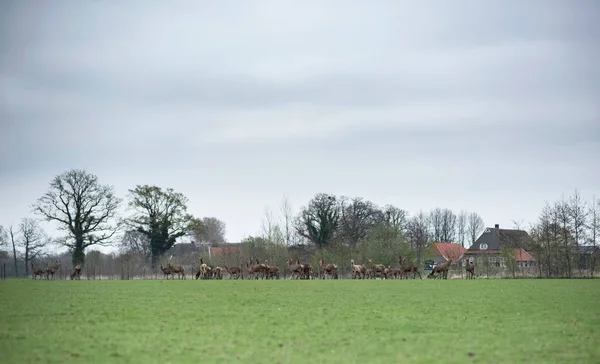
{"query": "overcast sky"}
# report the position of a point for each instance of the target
(487, 106)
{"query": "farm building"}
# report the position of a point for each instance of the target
(442, 252)
(496, 245)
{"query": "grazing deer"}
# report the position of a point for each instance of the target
(76, 274)
(358, 271)
(166, 271)
(470, 268)
(441, 270)
(37, 272)
(177, 270)
(378, 268)
(407, 267)
(234, 272)
(50, 271)
(295, 268)
(328, 269)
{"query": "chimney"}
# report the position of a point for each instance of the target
(497, 226)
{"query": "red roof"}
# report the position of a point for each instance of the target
(223, 251)
(449, 251)
(522, 256)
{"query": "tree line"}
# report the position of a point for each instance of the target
(335, 227)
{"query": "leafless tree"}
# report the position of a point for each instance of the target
(83, 208)
(357, 218)
(4, 233)
(417, 233)
(395, 217)
(436, 223)
(320, 220)
(594, 231)
(474, 227)
(563, 214)
(461, 227)
(32, 239)
(287, 217)
(579, 217)
(448, 231)
(135, 242)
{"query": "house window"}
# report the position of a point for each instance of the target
(483, 246)
(493, 259)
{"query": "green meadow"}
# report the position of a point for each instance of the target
(343, 321)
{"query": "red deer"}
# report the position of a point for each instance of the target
(177, 270)
(328, 269)
(166, 271)
(441, 270)
(296, 268)
(264, 268)
(234, 272)
(217, 272)
(255, 269)
(369, 274)
(358, 271)
(272, 271)
(50, 271)
(205, 271)
(378, 268)
(38, 272)
(470, 268)
(407, 267)
(76, 274)
(307, 269)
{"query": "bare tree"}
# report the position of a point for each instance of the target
(83, 208)
(563, 214)
(436, 224)
(320, 220)
(33, 239)
(417, 233)
(461, 227)
(358, 216)
(138, 243)
(287, 216)
(271, 230)
(4, 243)
(448, 231)
(474, 227)
(594, 230)
(395, 217)
(579, 216)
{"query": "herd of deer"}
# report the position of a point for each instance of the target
(298, 270)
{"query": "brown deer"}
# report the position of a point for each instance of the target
(38, 272)
(407, 267)
(441, 270)
(50, 271)
(296, 269)
(217, 272)
(76, 274)
(358, 271)
(177, 270)
(234, 272)
(255, 269)
(166, 271)
(307, 269)
(470, 268)
(264, 268)
(272, 271)
(378, 268)
(328, 269)
(205, 271)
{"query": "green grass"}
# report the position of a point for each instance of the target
(508, 321)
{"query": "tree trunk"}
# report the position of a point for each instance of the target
(14, 246)
(78, 251)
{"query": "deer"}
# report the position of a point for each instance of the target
(407, 267)
(272, 271)
(52, 269)
(217, 272)
(37, 272)
(358, 271)
(470, 268)
(328, 269)
(205, 271)
(306, 269)
(166, 271)
(378, 268)
(76, 274)
(255, 269)
(234, 272)
(264, 268)
(369, 273)
(177, 270)
(441, 270)
(295, 268)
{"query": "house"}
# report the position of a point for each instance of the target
(496, 245)
(443, 252)
(225, 251)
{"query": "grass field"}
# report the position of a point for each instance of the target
(453, 321)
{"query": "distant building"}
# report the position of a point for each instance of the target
(443, 252)
(492, 245)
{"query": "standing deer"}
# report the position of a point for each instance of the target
(470, 268)
(296, 268)
(407, 267)
(272, 271)
(166, 271)
(255, 269)
(37, 272)
(50, 271)
(358, 271)
(234, 272)
(76, 274)
(328, 269)
(378, 268)
(177, 270)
